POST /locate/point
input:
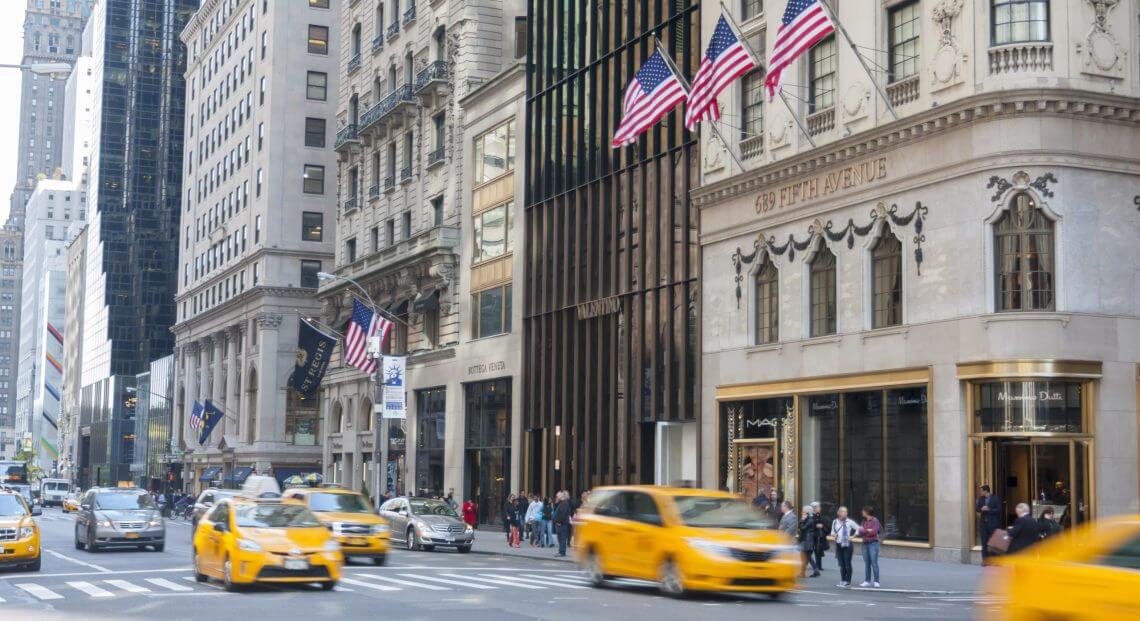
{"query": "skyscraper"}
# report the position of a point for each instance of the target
(136, 184)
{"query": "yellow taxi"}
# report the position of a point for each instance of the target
(19, 534)
(71, 502)
(244, 541)
(1091, 572)
(685, 539)
(353, 520)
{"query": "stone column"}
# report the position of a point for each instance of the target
(189, 369)
(205, 344)
(237, 378)
(216, 389)
(231, 408)
(270, 412)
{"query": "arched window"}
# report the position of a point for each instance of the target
(767, 302)
(380, 20)
(398, 339)
(392, 78)
(356, 40)
(377, 90)
(353, 110)
(1023, 261)
(408, 67)
(439, 40)
(365, 421)
(822, 293)
(886, 280)
(337, 418)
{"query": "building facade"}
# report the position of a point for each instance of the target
(135, 196)
(69, 435)
(611, 315)
(899, 311)
(405, 231)
(258, 226)
(156, 467)
(11, 271)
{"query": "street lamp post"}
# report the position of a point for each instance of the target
(378, 429)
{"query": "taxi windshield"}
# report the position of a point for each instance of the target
(340, 503)
(10, 506)
(718, 512)
(275, 516)
(432, 507)
(119, 501)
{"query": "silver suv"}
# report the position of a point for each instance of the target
(425, 523)
(118, 517)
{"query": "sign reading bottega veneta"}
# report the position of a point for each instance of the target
(850, 177)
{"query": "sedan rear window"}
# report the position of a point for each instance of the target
(341, 503)
(120, 501)
(720, 512)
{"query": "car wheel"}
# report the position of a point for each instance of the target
(426, 548)
(228, 575)
(670, 580)
(198, 575)
(328, 586)
(379, 560)
(593, 569)
(91, 545)
(411, 541)
(778, 596)
(159, 547)
(463, 549)
(34, 565)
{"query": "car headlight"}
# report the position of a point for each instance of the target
(103, 523)
(709, 548)
(379, 528)
(334, 527)
(248, 545)
(332, 546)
(27, 531)
(469, 529)
(154, 523)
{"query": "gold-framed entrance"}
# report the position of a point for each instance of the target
(756, 467)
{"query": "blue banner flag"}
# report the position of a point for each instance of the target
(211, 416)
(314, 349)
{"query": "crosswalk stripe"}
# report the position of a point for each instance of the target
(532, 581)
(40, 592)
(574, 576)
(446, 581)
(2, 600)
(127, 586)
(496, 582)
(90, 589)
(166, 584)
(558, 580)
(369, 585)
(430, 587)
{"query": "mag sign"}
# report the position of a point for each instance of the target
(393, 387)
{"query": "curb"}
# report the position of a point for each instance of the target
(567, 559)
(911, 591)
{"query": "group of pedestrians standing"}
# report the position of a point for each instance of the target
(813, 535)
(1021, 534)
(539, 520)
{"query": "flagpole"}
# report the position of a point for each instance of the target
(756, 57)
(685, 85)
(851, 42)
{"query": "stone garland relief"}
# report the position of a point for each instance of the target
(1020, 181)
(855, 101)
(849, 232)
(949, 61)
(1100, 52)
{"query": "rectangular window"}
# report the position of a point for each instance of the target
(752, 104)
(1020, 21)
(821, 75)
(261, 94)
(319, 4)
(257, 188)
(903, 44)
(260, 136)
(437, 211)
(495, 152)
(312, 226)
(492, 312)
(309, 270)
(314, 179)
(318, 39)
(375, 234)
(391, 225)
(257, 230)
(520, 37)
(316, 86)
(822, 292)
(493, 232)
(751, 8)
(350, 250)
(314, 132)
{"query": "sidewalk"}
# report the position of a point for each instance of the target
(898, 575)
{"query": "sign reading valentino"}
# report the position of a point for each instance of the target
(846, 178)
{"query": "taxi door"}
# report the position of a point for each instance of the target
(213, 550)
(1104, 587)
(641, 536)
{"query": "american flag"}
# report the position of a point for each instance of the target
(654, 91)
(363, 325)
(196, 416)
(726, 59)
(805, 22)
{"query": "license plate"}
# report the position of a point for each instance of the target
(296, 563)
(356, 541)
(132, 535)
(451, 539)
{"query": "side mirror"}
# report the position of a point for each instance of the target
(219, 527)
(37, 511)
(85, 506)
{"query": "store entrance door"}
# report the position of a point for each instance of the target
(757, 471)
(1041, 472)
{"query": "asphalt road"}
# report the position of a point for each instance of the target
(132, 585)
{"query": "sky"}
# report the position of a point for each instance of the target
(11, 49)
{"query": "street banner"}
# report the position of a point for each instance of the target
(393, 390)
(314, 349)
(211, 415)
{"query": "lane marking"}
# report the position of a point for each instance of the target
(28, 574)
(557, 580)
(533, 581)
(430, 587)
(90, 589)
(69, 559)
(451, 582)
(368, 585)
(166, 584)
(40, 592)
(127, 586)
(497, 582)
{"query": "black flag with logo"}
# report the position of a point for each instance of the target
(314, 349)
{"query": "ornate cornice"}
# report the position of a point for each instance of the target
(238, 303)
(912, 129)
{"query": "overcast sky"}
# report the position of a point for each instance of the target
(11, 49)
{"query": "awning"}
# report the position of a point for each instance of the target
(426, 301)
(238, 475)
(210, 474)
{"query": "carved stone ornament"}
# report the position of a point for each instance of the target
(855, 100)
(1021, 181)
(1101, 53)
(714, 154)
(269, 321)
(949, 61)
(779, 130)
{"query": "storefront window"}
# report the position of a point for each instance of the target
(397, 454)
(1027, 406)
(908, 497)
(863, 451)
(430, 424)
(487, 443)
(820, 462)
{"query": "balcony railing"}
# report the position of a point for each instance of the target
(435, 72)
(346, 134)
(402, 94)
(348, 205)
(393, 30)
(406, 173)
(354, 63)
(410, 14)
(435, 157)
(820, 122)
(374, 191)
(904, 91)
(378, 43)
(389, 183)
(751, 147)
(1019, 57)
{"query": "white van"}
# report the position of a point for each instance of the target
(54, 491)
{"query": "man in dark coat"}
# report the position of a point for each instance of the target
(1024, 531)
(988, 508)
(562, 513)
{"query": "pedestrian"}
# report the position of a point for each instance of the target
(869, 530)
(561, 515)
(807, 535)
(521, 504)
(450, 498)
(821, 544)
(774, 508)
(988, 508)
(1046, 525)
(469, 513)
(788, 524)
(533, 511)
(547, 516)
(1023, 533)
(843, 529)
(509, 518)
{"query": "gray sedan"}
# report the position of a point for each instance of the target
(424, 523)
(112, 517)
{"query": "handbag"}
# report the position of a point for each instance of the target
(999, 541)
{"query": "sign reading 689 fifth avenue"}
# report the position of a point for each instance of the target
(393, 387)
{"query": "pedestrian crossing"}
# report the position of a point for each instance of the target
(368, 582)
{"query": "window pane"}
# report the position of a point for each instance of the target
(908, 478)
(490, 233)
(318, 39)
(823, 293)
(312, 226)
(309, 271)
(314, 182)
(886, 280)
(314, 132)
(490, 308)
(820, 445)
(863, 452)
(767, 304)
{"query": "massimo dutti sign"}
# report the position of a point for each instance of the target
(866, 172)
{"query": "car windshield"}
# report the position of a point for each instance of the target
(340, 503)
(120, 501)
(432, 507)
(275, 516)
(10, 506)
(719, 512)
